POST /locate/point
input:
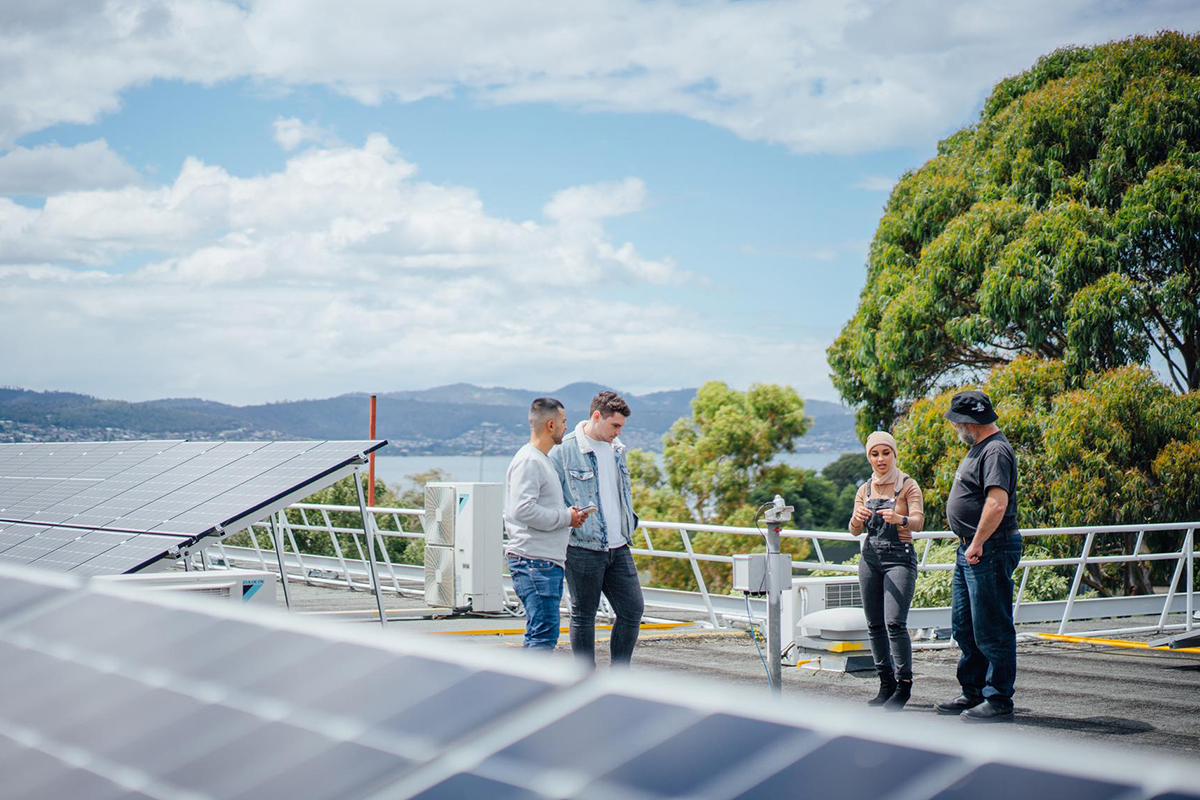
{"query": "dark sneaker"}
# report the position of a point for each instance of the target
(986, 712)
(957, 705)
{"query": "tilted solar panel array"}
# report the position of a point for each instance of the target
(109, 693)
(113, 507)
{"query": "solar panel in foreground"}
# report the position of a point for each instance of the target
(110, 693)
(102, 508)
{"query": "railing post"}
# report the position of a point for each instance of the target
(817, 547)
(254, 540)
(1170, 599)
(1020, 593)
(1191, 576)
(337, 548)
(287, 527)
(1087, 549)
(687, 545)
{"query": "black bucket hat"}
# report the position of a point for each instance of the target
(973, 408)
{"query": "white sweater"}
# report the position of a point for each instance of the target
(535, 514)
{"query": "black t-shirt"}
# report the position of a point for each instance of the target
(989, 463)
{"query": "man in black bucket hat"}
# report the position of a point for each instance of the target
(982, 511)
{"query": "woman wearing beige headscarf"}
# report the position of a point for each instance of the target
(889, 508)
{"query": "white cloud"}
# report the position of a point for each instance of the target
(291, 132)
(342, 271)
(598, 201)
(816, 76)
(874, 183)
(50, 169)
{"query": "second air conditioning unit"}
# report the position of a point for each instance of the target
(464, 545)
(809, 595)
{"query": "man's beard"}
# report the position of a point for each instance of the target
(965, 435)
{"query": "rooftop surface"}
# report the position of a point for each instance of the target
(1083, 692)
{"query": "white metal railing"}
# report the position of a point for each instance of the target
(343, 570)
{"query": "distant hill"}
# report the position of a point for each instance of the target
(445, 420)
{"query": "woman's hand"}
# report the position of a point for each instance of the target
(861, 515)
(891, 517)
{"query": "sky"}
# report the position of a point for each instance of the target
(277, 199)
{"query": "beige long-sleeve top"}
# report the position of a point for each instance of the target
(909, 503)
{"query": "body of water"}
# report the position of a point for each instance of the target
(394, 470)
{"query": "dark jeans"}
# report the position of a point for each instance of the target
(590, 572)
(539, 584)
(982, 620)
(887, 575)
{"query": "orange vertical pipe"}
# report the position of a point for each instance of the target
(371, 468)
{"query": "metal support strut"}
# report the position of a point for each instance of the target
(277, 540)
(368, 521)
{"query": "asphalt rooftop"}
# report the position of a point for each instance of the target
(1081, 691)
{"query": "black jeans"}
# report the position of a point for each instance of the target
(887, 575)
(982, 620)
(590, 572)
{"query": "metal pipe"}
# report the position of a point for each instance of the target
(278, 540)
(774, 623)
(368, 523)
(371, 460)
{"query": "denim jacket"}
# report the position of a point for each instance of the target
(575, 462)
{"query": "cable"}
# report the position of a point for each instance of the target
(754, 637)
(758, 511)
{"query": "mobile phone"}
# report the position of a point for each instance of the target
(589, 508)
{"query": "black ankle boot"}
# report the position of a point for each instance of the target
(887, 685)
(899, 697)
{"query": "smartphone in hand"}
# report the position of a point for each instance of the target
(589, 508)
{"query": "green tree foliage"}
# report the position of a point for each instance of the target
(1065, 224)
(717, 462)
(1123, 448)
(713, 456)
(850, 469)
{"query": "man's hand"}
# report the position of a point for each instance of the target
(974, 552)
(578, 516)
(862, 514)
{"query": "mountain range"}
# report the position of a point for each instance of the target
(445, 420)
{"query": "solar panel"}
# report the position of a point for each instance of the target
(110, 691)
(98, 508)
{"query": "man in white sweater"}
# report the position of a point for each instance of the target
(539, 523)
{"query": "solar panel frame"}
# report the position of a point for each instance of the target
(155, 722)
(170, 496)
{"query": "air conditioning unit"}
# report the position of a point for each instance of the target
(464, 545)
(240, 586)
(809, 595)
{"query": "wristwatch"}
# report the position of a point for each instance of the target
(904, 522)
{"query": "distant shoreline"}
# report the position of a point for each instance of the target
(395, 469)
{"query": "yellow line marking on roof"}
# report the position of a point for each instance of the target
(648, 626)
(1058, 637)
(844, 647)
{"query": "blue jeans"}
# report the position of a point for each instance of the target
(887, 576)
(539, 584)
(590, 572)
(982, 620)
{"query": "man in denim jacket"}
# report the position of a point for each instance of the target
(591, 465)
